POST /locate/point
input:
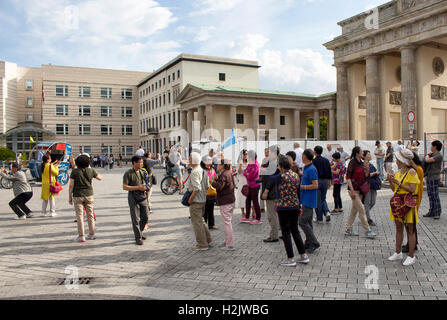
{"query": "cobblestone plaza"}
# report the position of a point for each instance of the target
(35, 253)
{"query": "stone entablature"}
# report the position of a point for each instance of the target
(412, 25)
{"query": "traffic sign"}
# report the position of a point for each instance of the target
(411, 126)
(411, 116)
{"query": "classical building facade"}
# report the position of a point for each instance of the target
(391, 63)
(253, 113)
(95, 110)
(159, 108)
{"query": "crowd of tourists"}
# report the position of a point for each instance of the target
(286, 186)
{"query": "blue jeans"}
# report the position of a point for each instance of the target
(322, 207)
(380, 168)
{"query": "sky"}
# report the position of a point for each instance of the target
(285, 36)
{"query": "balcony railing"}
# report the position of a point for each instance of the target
(152, 130)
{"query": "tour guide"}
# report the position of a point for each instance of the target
(133, 182)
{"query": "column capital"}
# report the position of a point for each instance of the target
(408, 47)
(372, 57)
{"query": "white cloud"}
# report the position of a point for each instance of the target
(109, 20)
(204, 34)
(214, 6)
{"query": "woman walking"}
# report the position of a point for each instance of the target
(338, 178)
(48, 170)
(252, 174)
(208, 215)
(224, 186)
(416, 164)
(288, 207)
(403, 182)
(358, 188)
(374, 184)
(240, 182)
(81, 196)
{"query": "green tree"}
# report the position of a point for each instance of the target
(7, 154)
(323, 128)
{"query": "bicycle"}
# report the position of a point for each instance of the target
(5, 183)
(169, 185)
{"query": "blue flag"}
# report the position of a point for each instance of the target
(230, 141)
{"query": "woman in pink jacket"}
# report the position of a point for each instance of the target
(252, 175)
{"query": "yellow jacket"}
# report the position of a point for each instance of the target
(46, 194)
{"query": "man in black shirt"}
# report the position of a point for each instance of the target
(389, 158)
(324, 182)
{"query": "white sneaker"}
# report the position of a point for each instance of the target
(396, 256)
(79, 239)
(89, 237)
(53, 215)
(409, 261)
(20, 218)
(46, 214)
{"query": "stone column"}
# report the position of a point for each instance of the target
(277, 121)
(409, 88)
(183, 120)
(343, 104)
(209, 116)
(331, 125)
(201, 117)
(317, 124)
(190, 118)
(372, 98)
(233, 112)
(296, 124)
(303, 126)
(255, 118)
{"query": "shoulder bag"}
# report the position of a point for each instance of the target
(402, 203)
(139, 196)
(57, 187)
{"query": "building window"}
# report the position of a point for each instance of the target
(169, 120)
(178, 74)
(178, 117)
(156, 85)
(29, 117)
(85, 149)
(126, 130)
(106, 93)
(173, 118)
(61, 91)
(106, 150)
(173, 76)
(159, 101)
(164, 99)
(106, 111)
(169, 79)
(29, 84)
(221, 76)
(126, 112)
(152, 87)
(164, 121)
(84, 111)
(262, 119)
(62, 129)
(127, 150)
(159, 83)
(29, 101)
(282, 120)
(84, 92)
(164, 81)
(126, 94)
(106, 130)
(84, 129)
(240, 119)
(62, 110)
(169, 98)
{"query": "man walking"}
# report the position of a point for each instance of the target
(299, 157)
(197, 184)
(22, 192)
(323, 167)
(309, 193)
(380, 154)
(389, 158)
(133, 182)
(433, 170)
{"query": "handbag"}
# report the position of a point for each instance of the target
(245, 190)
(402, 203)
(185, 198)
(57, 187)
(139, 196)
(154, 180)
